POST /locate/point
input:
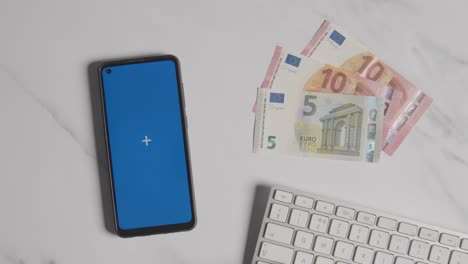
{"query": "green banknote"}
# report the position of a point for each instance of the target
(314, 124)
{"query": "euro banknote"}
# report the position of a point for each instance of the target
(313, 124)
(295, 70)
(334, 46)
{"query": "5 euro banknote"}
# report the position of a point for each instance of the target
(334, 46)
(314, 124)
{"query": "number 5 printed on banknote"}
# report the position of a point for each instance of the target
(332, 45)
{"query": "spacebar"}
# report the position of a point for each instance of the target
(276, 253)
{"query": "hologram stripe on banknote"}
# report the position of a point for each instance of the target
(327, 45)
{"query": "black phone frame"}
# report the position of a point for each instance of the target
(155, 229)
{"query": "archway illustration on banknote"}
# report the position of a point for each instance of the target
(341, 130)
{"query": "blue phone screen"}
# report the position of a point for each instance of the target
(146, 144)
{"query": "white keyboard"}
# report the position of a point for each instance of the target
(304, 228)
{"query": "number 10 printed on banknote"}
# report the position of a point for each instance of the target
(332, 45)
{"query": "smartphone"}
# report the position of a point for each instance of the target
(147, 145)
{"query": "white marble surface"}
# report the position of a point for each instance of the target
(50, 200)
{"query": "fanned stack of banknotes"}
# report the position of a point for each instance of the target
(335, 100)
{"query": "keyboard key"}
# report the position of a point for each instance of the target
(283, 196)
(278, 233)
(338, 228)
(449, 240)
(458, 258)
(387, 223)
(383, 258)
(304, 202)
(345, 212)
(322, 260)
(343, 250)
(366, 218)
(279, 212)
(363, 255)
(298, 218)
(318, 223)
(378, 239)
(323, 245)
(407, 229)
(398, 244)
(359, 233)
(401, 260)
(324, 207)
(428, 234)
(276, 253)
(439, 255)
(464, 244)
(303, 240)
(303, 258)
(419, 249)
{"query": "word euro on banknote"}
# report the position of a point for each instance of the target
(333, 45)
(314, 124)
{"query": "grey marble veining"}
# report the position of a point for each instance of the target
(44, 106)
(50, 196)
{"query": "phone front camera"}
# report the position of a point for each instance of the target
(108, 71)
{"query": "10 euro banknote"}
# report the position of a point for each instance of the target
(332, 45)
